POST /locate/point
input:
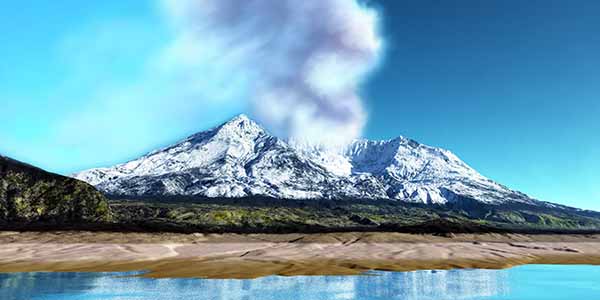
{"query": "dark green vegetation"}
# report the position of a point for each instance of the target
(253, 215)
(29, 195)
(31, 198)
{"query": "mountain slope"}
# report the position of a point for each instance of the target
(240, 159)
(29, 194)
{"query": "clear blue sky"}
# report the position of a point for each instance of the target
(512, 87)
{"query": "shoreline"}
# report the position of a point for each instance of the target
(250, 256)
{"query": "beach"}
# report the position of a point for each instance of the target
(172, 255)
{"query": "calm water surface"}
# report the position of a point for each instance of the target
(531, 282)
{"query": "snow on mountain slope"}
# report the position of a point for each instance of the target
(239, 158)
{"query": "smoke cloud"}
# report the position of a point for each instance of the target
(301, 62)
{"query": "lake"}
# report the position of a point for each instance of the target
(531, 282)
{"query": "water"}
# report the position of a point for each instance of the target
(531, 282)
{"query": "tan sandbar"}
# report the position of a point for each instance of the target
(250, 256)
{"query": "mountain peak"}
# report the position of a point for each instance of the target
(241, 125)
(240, 158)
(241, 120)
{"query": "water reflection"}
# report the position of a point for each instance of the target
(24, 286)
(421, 285)
(455, 284)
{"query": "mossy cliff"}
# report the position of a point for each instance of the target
(32, 195)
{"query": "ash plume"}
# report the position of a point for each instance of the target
(301, 62)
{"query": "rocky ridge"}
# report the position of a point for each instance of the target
(240, 159)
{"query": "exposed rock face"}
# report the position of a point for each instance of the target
(29, 194)
(241, 159)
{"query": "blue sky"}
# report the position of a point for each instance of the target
(512, 87)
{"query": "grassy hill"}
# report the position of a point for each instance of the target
(29, 195)
(259, 214)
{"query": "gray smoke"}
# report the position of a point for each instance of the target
(300, 61)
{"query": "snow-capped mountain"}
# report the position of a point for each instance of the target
(239, 158)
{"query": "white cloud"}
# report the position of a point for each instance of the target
(297, 65)
(301, 61)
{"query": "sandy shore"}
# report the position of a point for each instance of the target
(250, 256)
